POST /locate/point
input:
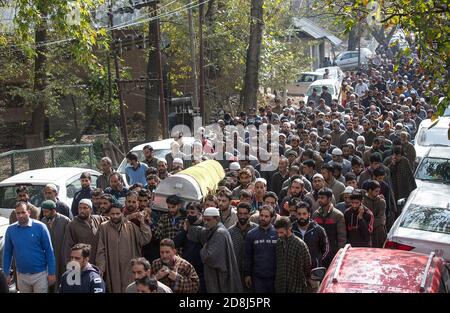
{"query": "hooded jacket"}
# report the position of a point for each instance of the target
(90, 281)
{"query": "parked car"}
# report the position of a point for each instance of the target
(428, 136)
(424, 224)
(333, 86)
(335, 72)
(434, 168)
(66, 179)
(374, 270)
(348, 60)
(160, 149)
(300, 86)
(4, 223)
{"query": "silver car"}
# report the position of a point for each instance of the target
(424, 224)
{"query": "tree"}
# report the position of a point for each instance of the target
(251, 84)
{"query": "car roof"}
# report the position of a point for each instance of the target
(379, 270)
(162, 144)
(430, 195)
(439, 152)
(321, 82)
(54, 175)
(311, 73)
(331, 68)
(442, 123)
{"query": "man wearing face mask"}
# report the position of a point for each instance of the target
(219, 261)
(238, 234)
(119, 241)
(191, 249)
(314, 236)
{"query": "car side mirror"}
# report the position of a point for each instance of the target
(401, 203)
(318, 273)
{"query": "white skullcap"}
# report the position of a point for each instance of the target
(162, 161)
(177, 161)
(235, 166)
(348, 189)
(52, 187)
(261, 180)
(336, 151)
(360, 138)
(87, 202)
(318, 176)
(211, 212)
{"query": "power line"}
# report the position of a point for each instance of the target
(167, 14)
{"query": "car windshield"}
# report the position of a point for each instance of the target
(434, 169)
(427, 218)
(159, 154)
(319, 90)
(435, 136)
(306, 78)
(8, 195)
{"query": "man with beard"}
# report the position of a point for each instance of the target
(238, 234)
(260, 255)
(82, 229)
(219, 261)
(376, 148)
(377, 205)
(245, 178)
(28, 241)
(84, 193)
(323, 150)
(119, 241)
(191, 249)
(90, 279)
(106, 201)
(336, 133)
(332, 220)
(171, 222)
(318, 182)
(402, 177)
(375, 162)
(281, 176)
(359, 222)
(270, 199)
(173, 271)
(150, 159)
(141, 268)
(228, 215)
(368, 134)
(258, 196)
(152, 182)
(56, 224)
(107, 170)
(131, 210)
(339, 159)
(348, 134)
(24, 196)
(163, 172)
(296, 190)
(336, 186)
(117, 189)
(292, 259)
(344, 205)
(408, 149)
(51, 193)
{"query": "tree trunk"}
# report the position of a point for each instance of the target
(152, 114)
(251, 83)
(353, 38)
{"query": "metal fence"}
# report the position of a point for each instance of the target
(17, 161)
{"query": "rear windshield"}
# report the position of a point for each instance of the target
(427, 218)
(434, 169)
(436, 136)
(8, 196)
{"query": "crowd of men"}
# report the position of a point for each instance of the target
(341, 167)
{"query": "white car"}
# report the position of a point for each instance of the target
(424, 224)
(335, 72)
(333, 86)
(434, 168)
(348, 60)
(4, 223)
(160, 149)
(427, 137)
(66, 179)
(302, 83)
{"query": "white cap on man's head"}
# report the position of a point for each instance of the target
(360, 138)
(348, 189)
(52, 187)
(235, 166)
(336, 151)
(318, 176)
(213, 212)
(87, 202)
(177, 161)
(261, 180)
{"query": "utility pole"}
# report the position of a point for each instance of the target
(123, 120)
(193, 61)
(201, 65)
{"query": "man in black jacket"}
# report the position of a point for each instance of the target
(85, 192)
(359, 222)
(83, 277)
(313, 235)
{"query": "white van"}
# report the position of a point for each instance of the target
(348, 60)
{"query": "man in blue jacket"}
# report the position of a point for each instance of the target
(83, 277)
(28, 240)
(260, 255)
